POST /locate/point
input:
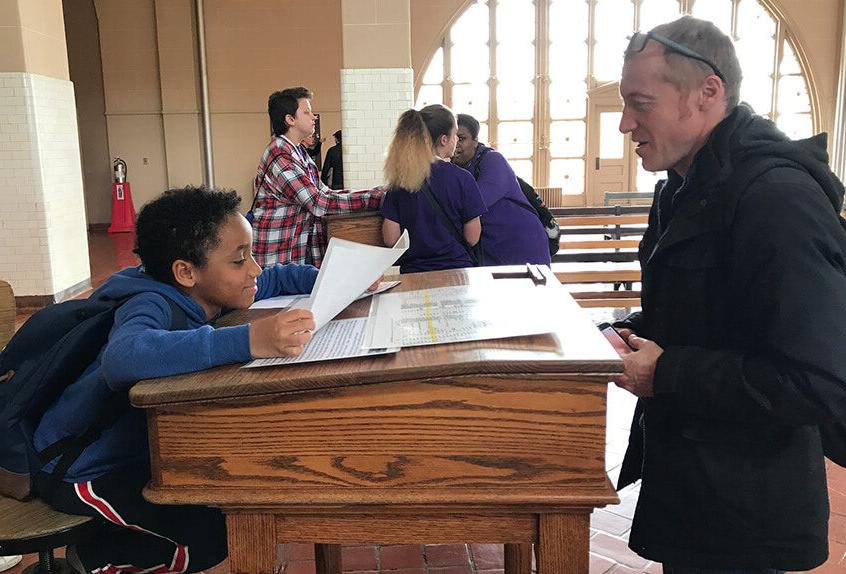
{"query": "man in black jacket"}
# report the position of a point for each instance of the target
(334, 165)
(739, 363)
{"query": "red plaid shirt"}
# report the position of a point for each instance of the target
(290, 201)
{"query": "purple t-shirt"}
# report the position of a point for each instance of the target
(512, 234)
(433, 246)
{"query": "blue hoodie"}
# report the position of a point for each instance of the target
(141, 346)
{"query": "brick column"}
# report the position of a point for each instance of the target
(43, 241)
(377, 83)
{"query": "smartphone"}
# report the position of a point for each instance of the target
(614, 338)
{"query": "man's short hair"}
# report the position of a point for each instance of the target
(284, 103)
(469, 122)
(709, 41)
(181, 224)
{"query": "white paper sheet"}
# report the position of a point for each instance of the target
(340, 339)
(285, 301)
(458, 313)
(348, 269)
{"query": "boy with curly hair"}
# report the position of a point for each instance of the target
(196, 262)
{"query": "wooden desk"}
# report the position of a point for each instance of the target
(498, 441)
(360, 226)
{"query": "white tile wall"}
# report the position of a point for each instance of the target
(372, 100)
(43, 243)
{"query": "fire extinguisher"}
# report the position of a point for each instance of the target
(123, 212)
(120, 170)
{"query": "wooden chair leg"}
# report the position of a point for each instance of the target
(327, 558)
(518, 559)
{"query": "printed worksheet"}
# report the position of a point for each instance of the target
(348, 269)
(285, 301)
(458, 313)
(340, 339)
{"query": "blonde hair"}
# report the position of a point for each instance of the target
(410, 156)
(411, 153)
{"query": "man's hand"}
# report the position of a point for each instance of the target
(639, 364)
(282, 334)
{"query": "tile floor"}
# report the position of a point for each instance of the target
(609, 526)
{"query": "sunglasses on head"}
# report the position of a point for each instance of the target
(638, 42)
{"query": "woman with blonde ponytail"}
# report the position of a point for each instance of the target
(415, 164)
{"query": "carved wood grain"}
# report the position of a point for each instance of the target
(460, 433)
(385, 528)
(564, 543)
(251, 539)
(361, 227)
(518, 559)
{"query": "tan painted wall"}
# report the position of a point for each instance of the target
(255, 47)
(86, 73)
(180, 92)
(376, 33)
(32, 38)
(129, 51)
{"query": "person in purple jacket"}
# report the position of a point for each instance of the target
(512, 234)
(437, 202)
(196, 262)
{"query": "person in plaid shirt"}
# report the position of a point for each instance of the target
(290, 198)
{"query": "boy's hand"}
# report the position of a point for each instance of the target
(282, 334)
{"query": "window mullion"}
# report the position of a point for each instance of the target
(734, 18)
(591, 43)
(542, 131)
(447, 82)
(493, 113)
(777, 57)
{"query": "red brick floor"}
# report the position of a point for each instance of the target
(609, 526)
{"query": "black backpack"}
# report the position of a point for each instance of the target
(48, 353)
(540, 210)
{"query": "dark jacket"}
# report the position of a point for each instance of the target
(334, 163)
(744, 287)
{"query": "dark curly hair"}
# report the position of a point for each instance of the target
(181, 224)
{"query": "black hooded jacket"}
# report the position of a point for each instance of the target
(744, 287)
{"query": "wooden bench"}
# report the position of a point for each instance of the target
(620, 275)
(599, 233)
(629, 197)
(28, 527)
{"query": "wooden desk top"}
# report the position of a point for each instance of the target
(575, 348)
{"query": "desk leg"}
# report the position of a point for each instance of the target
(252, 543)
(564, 543)
(327, 558)
(518, 559)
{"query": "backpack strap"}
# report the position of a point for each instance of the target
(69, 448)
(477, 170)
(474, 252)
